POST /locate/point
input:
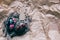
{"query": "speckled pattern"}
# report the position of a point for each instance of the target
(44, 25)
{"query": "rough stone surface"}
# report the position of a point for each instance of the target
(45, 23)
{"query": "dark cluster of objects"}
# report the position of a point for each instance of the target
(13, 26)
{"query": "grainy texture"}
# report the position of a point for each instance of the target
(45, 16)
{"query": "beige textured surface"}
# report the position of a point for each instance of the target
(45, 23)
